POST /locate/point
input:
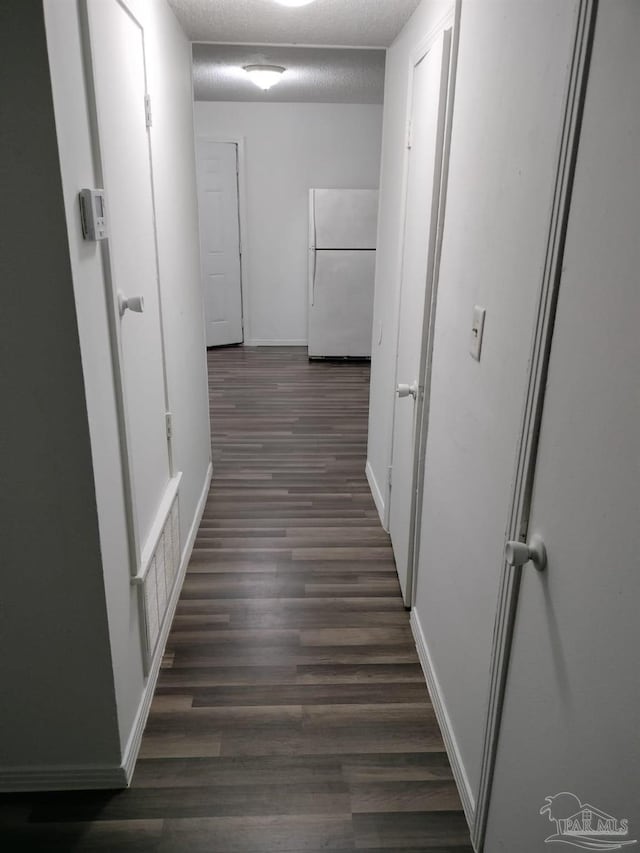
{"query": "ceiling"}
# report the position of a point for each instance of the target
(322, 75)
(355, 23)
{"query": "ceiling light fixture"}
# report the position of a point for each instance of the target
(294, 2)
(265, 76)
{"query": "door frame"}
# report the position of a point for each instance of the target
(449, 21)
(522, 488)
(239, 142)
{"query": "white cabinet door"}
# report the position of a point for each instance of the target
(119, 76)
(572, 704)
(220, 241)
(423, 184)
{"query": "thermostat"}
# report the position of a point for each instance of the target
(93, 214)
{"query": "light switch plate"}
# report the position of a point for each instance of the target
(477, 328)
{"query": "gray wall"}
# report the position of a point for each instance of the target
(57, 683)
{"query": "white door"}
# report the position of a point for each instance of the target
(429, 98)
(571, 713)
(118, 64)
(220, 241)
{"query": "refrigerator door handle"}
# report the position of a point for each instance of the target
(312, 275)
(312, 246)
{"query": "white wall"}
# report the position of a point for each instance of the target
(389, 254)
(169, 76)
(290, 148)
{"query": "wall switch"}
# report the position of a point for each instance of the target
(477, 327)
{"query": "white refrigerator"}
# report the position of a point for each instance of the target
(342, 252)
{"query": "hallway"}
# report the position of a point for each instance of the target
(291, 712)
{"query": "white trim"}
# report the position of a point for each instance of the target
(444, 721)
(62, 778)
(245, 290)
(135, 738)
(273, 342)
(171, 490)
(376, 492)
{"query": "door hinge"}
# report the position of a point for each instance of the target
(409, 134)
(389, 475)
(147, 111)
(168, 419)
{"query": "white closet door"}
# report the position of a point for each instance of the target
(423, 183)
(572, 703)
(220, 241)
(118, 63)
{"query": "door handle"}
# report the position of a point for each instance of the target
(312, 277)
(519, 553)
(133, 303)
(408, 390)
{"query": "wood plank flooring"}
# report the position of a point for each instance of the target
(291, 713)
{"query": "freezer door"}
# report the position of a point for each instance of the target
(344, 219)
(341, 304)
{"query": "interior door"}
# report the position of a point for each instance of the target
(572, 703)
(119, 76)
(217, 164)
(429, 97)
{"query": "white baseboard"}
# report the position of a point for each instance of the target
(375, 492)
(135, 738)
(270, 342)
(448, 736)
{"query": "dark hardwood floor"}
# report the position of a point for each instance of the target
(291, 713)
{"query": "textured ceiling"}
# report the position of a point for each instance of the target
(322, 75)
(368, 23)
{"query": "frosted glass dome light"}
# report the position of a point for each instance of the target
(294, 2)
(265, 76)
